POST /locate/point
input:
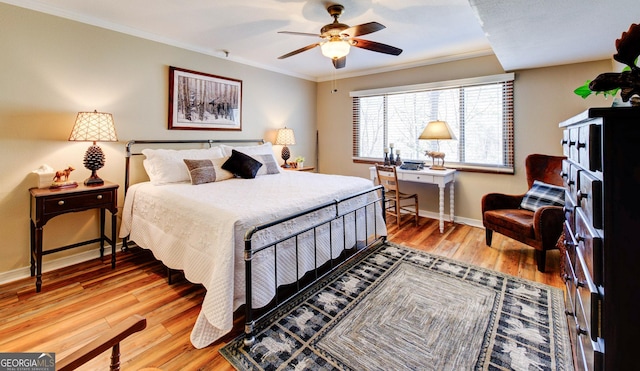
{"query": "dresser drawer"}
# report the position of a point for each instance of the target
(574, 135)
(69, 203)
(569, 209)
(569, 279)
(569, 175)
(565, 142)
(572, 181)
(589, 246)
(588, 357)
(588, 146)
(587, 301)
(589, 198)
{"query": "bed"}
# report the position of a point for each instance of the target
(243, 237)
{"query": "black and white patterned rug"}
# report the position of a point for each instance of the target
(399, 308)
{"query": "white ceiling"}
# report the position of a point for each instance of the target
(522, 33)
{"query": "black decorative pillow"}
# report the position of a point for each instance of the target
(542, 194)
(242, 165)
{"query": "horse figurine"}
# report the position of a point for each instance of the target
(436, 156)
(63, 175)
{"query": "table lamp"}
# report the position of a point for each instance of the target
(94, 127)
(437, 130)
(285, 137)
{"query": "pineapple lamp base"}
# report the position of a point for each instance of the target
(94, 161)
(93, 180)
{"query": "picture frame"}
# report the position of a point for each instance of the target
(202, 101)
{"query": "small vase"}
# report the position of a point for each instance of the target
(300, 165)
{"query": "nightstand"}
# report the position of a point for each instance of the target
(306, 168)
(48, 203)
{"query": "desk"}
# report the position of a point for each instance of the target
(438, 177)
(48, 203)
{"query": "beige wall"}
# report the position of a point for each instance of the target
(51, 68)
(542, 97)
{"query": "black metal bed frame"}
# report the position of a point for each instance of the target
(371, 239)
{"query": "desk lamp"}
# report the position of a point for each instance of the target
(437, 130)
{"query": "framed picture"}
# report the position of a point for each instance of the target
(200, 101)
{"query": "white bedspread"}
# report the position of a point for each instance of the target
(200, 229)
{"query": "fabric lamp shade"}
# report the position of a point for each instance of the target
(284, 138)
(94, 127)
(436, 130)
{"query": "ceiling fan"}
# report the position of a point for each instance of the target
(339, 37)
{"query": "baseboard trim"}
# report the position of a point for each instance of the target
(456, 219)
(25, 272)
(20, 273)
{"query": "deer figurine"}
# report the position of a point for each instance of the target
(436, 156)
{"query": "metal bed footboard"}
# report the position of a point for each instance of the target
(371, 238)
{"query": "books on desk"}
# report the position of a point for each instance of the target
(412, 165)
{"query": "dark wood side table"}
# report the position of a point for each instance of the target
(48, 203)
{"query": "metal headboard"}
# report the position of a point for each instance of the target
(210, 142)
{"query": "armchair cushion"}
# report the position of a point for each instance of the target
(510, 222)
(542, 194)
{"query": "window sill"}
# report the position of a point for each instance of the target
(453, 165)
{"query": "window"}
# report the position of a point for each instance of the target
(478, 110)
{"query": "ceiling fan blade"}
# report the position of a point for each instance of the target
(339, 62)
(297, 51)
(299, 33)
(376, 47)
(363, 29)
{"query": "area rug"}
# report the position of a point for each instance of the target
(399, 308)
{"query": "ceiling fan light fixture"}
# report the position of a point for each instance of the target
(335, 49)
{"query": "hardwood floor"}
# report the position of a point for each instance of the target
(80, 302)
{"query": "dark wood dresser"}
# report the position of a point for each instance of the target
(602, 226)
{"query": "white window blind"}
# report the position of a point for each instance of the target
(479, 111)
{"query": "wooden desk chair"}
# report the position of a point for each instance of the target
(393, 197)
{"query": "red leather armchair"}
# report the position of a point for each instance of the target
(540, 229)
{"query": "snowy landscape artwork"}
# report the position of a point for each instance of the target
(200, 101)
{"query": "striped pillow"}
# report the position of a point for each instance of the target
(542, 194)
(207, 171)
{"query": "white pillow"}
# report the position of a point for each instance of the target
(167, 165)
(263, 153)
